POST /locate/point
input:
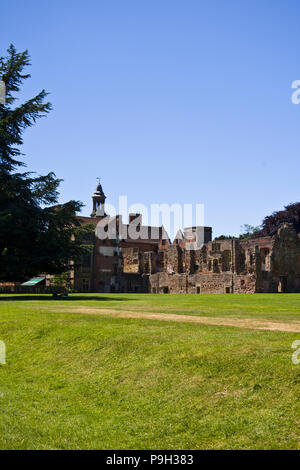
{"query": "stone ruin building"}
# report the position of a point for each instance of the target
(154, 264)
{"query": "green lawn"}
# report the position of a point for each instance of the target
(79, 381)
(282, 307)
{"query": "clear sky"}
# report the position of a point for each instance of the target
(167, 101)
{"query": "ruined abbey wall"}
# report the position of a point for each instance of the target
(267, 264)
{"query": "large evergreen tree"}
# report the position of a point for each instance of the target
(36, 234)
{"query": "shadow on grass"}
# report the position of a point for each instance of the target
(70, 298)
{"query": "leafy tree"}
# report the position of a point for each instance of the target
(248, 231)
(290, 214)
(62, 280)
(36, 234)
(224, 237)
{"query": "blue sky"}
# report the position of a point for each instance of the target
(168, 101)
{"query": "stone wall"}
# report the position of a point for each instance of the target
(163, 283)
(131, 260)
(265, 264)
(202, 283)
(285, 260)
(173, 259)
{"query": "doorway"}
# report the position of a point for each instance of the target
(283, 284)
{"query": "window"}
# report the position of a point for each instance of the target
(101, 286)
(216, 266)
(86, 261)
(265, 259)
(283, 284)
(226, 260)
(85, 285)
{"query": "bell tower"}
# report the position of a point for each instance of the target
(98, 202)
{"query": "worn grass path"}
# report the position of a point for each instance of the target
(269, 307)
(249, 323)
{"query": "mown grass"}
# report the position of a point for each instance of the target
(76, 381)
(282, 307)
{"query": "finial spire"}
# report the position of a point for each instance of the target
(98, 201)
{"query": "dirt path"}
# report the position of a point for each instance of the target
(292, 327)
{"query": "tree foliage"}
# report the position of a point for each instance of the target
(290, 214)
(224, 237)
(249, 231)
(37, 235)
